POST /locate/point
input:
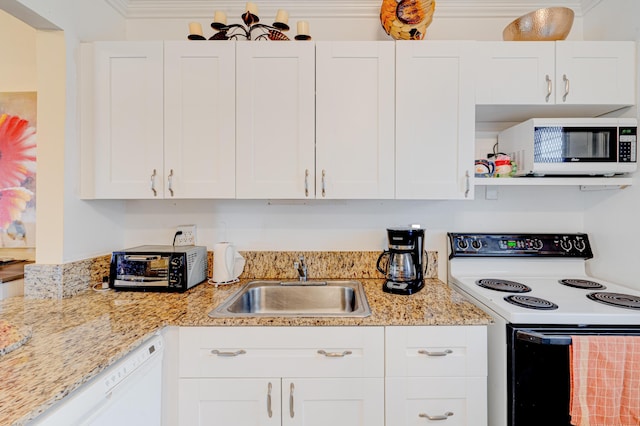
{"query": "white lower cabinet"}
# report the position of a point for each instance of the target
(338, 376)
(281, 376)
(282, 401)
(436, 375)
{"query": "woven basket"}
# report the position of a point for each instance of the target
(406, 19)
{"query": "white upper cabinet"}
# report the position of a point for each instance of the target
(515, 73)
(158, 120)
(355, 119)
(565, 77)
(435, 119)
(122, 107)
(596, 72)
(199, 120)
(275, 120)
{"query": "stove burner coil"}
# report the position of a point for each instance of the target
(619, 300)
(530, 302)
(503, 285)
(583, 284)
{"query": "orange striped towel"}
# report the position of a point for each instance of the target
(605, 380)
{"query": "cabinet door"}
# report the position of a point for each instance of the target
(335, 402)
(417, 401)
(200, 115)
(435, 120)
(355, 119)
(275, 120)
(515, 73)
(595, 72)
(237, 402)
(128, 119)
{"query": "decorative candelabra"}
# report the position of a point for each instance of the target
(251, 24)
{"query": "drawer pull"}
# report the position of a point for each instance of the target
(334, 354)
(220, 353)
(428, 353)
(445, 416)
(292, 414)
(269, 412)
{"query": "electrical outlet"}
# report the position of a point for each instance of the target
(188, 236)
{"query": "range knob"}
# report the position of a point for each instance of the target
(565, 245)
(537, 244)
(579, 244)
(477, 245)
(462, 244)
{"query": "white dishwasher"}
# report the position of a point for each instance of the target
(127, 393)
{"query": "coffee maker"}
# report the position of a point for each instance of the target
(404, 266)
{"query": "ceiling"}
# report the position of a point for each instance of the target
(336, 8)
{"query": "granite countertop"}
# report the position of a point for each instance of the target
(74, 339)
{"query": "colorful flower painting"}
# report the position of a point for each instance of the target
(17, 169)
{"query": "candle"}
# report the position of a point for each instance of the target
(282, 16)
(252, 8)
(195, 28)
(220, 17)
(303, 28)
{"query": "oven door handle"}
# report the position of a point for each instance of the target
(542, 339)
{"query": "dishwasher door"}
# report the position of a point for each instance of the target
(127, 394)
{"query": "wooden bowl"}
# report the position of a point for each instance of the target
(547, 24)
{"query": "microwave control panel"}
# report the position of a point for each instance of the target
(627, 144)
(519, 245)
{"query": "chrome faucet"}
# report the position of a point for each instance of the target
(301, 267)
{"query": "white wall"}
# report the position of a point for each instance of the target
(68, 228)
(97, 227)
(611, 219)
(353, 225)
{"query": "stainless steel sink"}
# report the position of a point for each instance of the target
(296, 298)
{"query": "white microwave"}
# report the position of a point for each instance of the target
(572, 146)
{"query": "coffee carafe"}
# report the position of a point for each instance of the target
(404, 267)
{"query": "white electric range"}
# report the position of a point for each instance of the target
(536, 288)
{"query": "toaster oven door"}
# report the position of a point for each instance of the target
(142, 270)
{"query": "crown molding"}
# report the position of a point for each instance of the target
(150, 9)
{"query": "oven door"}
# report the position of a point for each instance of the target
(140, 271)
(538, 371)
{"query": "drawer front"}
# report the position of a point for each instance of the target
(436, 351)
(456, 401)
(281, 351)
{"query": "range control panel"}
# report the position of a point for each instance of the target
(519, 245)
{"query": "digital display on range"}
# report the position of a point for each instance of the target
(511, 244)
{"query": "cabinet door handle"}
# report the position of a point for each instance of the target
(324, 193)
(306, 182)
(549, 87)
(291, 412)
(566, 87)
(153, 183)
(170, 182)
(430, 353)
(269, 412)
(444, 416)
(334, 354)
(467, 186)
(228, 354)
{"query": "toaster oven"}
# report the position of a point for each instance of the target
(158, 268)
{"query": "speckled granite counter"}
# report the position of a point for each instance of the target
(76, 338)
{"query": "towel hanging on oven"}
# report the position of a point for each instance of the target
(605, 380)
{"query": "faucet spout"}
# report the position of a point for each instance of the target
(301, 267)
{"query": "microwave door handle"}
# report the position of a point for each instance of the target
(542, 339)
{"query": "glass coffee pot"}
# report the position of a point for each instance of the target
(404, 266)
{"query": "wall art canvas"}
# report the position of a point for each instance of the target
(18, 169)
